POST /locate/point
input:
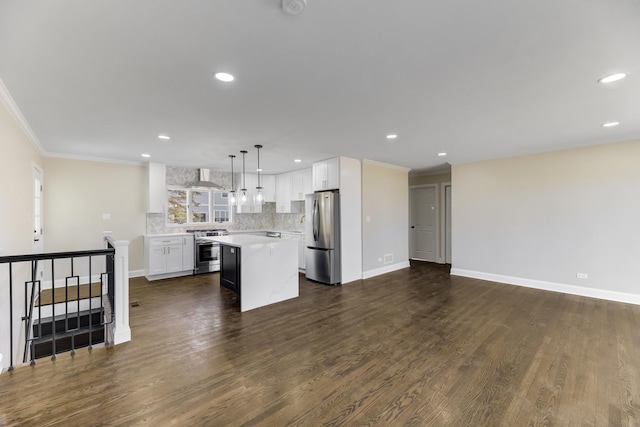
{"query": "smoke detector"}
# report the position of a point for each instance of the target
(293, 7)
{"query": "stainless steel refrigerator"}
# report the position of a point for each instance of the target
(322, 228)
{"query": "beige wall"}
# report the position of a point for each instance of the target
(429, 179)
(77, 194)
(17, 157)
(546, 217)
(385, 215)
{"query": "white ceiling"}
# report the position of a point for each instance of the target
(476, 79)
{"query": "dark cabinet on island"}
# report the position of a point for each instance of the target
(230, 268)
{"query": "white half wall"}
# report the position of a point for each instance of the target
(540, 220)
(385, 218)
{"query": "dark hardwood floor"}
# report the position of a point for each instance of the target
(414, 347)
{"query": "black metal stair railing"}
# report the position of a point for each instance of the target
(88, 306)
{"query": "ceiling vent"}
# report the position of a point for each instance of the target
(294, 7)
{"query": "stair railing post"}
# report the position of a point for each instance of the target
(119, 331)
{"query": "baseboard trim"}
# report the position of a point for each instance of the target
(386, 269)
(136, 273)
(550, 286)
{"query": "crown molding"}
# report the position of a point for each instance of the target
(95, 159)
(12, 107)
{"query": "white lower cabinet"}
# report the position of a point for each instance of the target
(301, 252)
(168, 256)
(188, 253)
(299, 238)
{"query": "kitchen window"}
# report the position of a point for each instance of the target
(189, 206)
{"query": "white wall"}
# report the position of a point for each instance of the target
(385, 217)
(538, 220)
(19, 154)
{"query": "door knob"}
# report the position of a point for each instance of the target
(413, 226)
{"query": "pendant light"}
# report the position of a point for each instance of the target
(232, 193)
(243, 197)
(259, 195)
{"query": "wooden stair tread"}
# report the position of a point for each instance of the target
(73, 293)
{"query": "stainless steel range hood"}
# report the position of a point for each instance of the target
(204, 181)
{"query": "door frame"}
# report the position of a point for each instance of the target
(437, 228)
(442, 256)
(37, 173)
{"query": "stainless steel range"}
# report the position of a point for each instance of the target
(207, 253)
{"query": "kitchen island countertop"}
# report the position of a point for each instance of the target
(268, 268)
(240, 240)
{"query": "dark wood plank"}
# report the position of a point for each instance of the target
(413, 347)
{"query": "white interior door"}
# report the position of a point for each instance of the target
(423, 223)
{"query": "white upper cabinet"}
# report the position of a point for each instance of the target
(326, 175)
(268, 183)
(307, 182)
(283, 193)
(157, 187)
(296, 185)
(292, 186)
(250, 184)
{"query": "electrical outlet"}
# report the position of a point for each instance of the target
(582, 275)
(388, 258)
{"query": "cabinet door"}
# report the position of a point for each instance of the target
(283, 193)
(307, 182)
(157, 187)
(333, 174)
(268, 187)
(230, 268)
(296, 185)
(156, 259)
(319, 176)
(174, 258)
(188, 253)
(301, 253)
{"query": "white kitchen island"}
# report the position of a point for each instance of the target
(261, 270)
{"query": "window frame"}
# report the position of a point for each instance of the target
(189, 212)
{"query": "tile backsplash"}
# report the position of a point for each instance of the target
(267, 220)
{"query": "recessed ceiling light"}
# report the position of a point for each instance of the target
(610, 124)
(297, 160)
(224, 77)
(145, 155)
(612, 78)
(442, 154)
(392, 136)
(164, 137)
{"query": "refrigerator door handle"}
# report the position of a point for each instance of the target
(316, 220)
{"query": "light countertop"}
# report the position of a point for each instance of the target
(240, 240)
(167, 235)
